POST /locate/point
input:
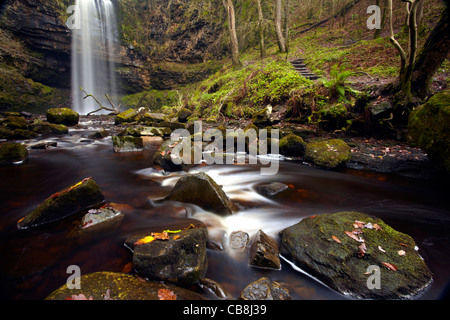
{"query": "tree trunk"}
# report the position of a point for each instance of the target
(433, 54)
(286, 24)
(261, 30)
(232, 27)
(279, 32)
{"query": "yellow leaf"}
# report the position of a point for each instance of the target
(172, 231)
(144, 240)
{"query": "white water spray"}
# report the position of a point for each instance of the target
(94, 52)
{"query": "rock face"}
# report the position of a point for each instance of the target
(265, 289)
(11, 153)
(63, 116)
(180, 259)
(63, 204)
(121, 286)
(339, 248)
(328, 154)
(200, 189)
(428, 126)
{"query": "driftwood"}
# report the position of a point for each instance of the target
(113, 108)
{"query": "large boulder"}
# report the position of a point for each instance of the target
(64, 116)
(121, 286)
(176, 256)
(11, 153)
(428, 126)
(328, 154)
(201, 190)
(127, 116)
(64, 203)
(127, 144)
(342, 249)
(292, 145)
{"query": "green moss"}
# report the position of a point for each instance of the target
(63, 116)
(329, 153)
(129, 115)
(292, 145)
(12, 152)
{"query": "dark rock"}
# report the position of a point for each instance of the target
(16, 122)
(271, 188)
(95, 217)
(215, 288)
(328, 154)
(200, 189)
(428, 126)
(321, 246)
(292, 145)
(181, 259)
(43, 145)
(46, 128)
(264, 252)
(64, 203)
(381, 110)
(127, 144)
(265, 289)
(100, 134)
(11, 153)
(239, 240)
(127, 116)
(172, 125)
(120, 286)
(20, 134)
(64, 116)
(183, 115)
(262, 118)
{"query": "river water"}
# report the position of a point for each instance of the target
(34, 263)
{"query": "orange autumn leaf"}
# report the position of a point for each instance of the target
(160, 235)
(144, 240)
(390, 266)
(351, 235)
(177, 237)
(166, 294)
(336, 239)
(377, 227)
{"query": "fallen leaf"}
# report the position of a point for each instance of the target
(390, 266)
(381, 249)
(166, 294)
(144, 240)
(127, 268)
(357, 231)
(160, 236)
(368, 225)
(172, 231)
(177, 237)
(351, 235)
(377, 227)
(336, 239)
(362, 250)
(358, 224)
(401, 252)
(403, 244)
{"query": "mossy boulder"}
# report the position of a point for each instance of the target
(262, 118)
(127, 143)
(63, 116)
(15, 122)
(64, 203)
(46, 128)
(179, 258)
(429, 126)
(292, 145)
(201, 190)
(328, 154)
(120, 286)
(183, 115)
(339, 248)
(11, 153)
(127, 116)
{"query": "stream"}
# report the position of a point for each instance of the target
(34, 263)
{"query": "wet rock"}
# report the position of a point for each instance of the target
(339, 248)
(428, 126)
(11, 153)
(265, 289)
(172, 125)
(263, 118)
(328, 154)
(215, 288)
(239, 240)
(216, 239)
(20, 134)
(264, 252)
(15, 122)
(292, 145)
(100, 134)
(181, 259)
(95, 217)
(200, 189)
(64, 116)
(271, 188)
(183, 115)
(120, 286)
(127, 144)
(64, 203)
(46, 128)
(127, 116)
(43, 145)
(381, 110)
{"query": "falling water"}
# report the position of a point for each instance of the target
(93, 55)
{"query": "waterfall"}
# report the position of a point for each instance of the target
(94, 53)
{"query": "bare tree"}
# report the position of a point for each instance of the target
(261, 29)
(233, 36)
(278, 30)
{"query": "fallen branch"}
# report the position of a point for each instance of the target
(113, 108)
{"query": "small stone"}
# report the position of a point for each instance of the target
(265, 289)
(264, 252)
(239, 240)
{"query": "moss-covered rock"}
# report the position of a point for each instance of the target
(120, 286)
(63, 116)
(127, 116)
(429, 128)
(15, 122)
(200, 189)
(64, 203)
(339, 248)
(180, 259)
(183, 115)
(265, 289)
(11, 153)
(292, 145)
(46, 128)
(328, 154)
(262, 118)
(127, 143)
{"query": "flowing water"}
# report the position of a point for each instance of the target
(94, 50)
(34, 263)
